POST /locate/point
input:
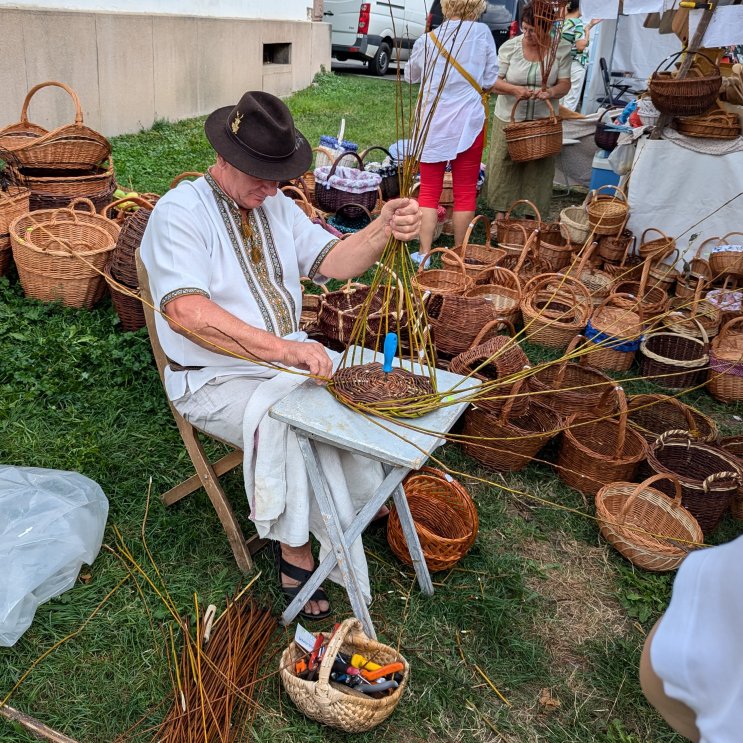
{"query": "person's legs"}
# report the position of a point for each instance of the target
(577, 75)
(675, 713)
(465, 169)
(218, 409)
(432, 183)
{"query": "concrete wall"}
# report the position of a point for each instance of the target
(282, 10)
(131, 69)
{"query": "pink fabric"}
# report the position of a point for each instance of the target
(465, 169)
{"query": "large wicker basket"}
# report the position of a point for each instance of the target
(444, 515)
(330, 704)
(60, 255)
(533, 140)
(69, 147)
(724, 261)
(675, 361)
(654, 532)
(688, 96)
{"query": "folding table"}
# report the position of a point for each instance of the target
(315, 415)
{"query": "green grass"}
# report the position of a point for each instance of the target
(540, 603)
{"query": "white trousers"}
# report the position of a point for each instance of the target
(577, 75)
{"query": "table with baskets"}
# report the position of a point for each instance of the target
(315, 415)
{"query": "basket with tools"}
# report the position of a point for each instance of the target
(444, 515)
(336, 704)
(645, 525)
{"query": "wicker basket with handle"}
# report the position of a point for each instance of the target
(477, 258)
(126, 301)
(70, 147)
(675, 361)
(391, 175)
(330, 197)
(503, 291)
(639, 297)
(726, 363)
(512, 232)
(688, 96)
(714, 124)
(652, 530)
(594, 279)
(574, 224)
(607, 213)
(441, 280)
(444, 515)
(535, 139)
(658, 248)
(722, 261)
(597, 451)
(652, 415)
(333, 705)
(614, 332)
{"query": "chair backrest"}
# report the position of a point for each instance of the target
(149, 315)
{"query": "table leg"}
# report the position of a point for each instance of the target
(411, 538)
(337, 540)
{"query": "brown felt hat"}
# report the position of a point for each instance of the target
(258, 137)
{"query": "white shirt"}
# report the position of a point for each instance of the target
(193, 245)
(459, 115)
(698, 647)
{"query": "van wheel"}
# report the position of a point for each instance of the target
(381, 62)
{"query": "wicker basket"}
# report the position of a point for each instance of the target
(526, 262)
(675, 361)
(69, 147)
(504, 441)
(122, 266)
(574, 224)
(533, 140)
(556, 249)
(127, 303)
(301, 199)
(444, 515)
(568, 388)
(332, 705)
(638, 297)
(614, 248)
(726, 262)
(607, 214)
(658, 248)
(630, 268)
(605, 139)
(709, 476)
(13, 203)
(491, 359)
(711, 125)
(663, 272)
(615, 334)
(654, 532)
(310, 305)
(726, 363)
(477, 258)
(330, 198)
(391, 175)
(52, 250)
(554, 308)
(340, 311)
(440, 280)
(688, 96)
(595, 452)
(512, 233)
(503, 291)
(653, 415)
(594, 279)
(734, 445)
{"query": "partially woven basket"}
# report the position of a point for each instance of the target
(332, 704)
(654, 532)
(444, 515)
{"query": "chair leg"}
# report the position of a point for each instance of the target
(220, 467)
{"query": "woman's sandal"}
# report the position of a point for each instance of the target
(302, 575)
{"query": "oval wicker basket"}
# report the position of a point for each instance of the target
(60, 255)
(709, 476)
(726, 262)
(441, 280)
(574, 224)
(525, 261)
(513, 232)
(594, 279)
(653, 415)
(69, 147)
(607, 214)
(658, 248)
(391, 175)
(714, 124)
(595, 452)
(654, 532)
(477, 258)
(330, 704)
(675, 361)
(330, 198)
(503, 291)
(444, 515)
(688, 96)
(535, 139)
(340, 310)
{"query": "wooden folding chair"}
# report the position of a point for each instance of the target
(207, 473)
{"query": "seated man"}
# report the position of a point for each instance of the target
(225, 254)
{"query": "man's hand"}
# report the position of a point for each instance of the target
(401, 218)
(308, 356)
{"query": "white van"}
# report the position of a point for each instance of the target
(376, 32)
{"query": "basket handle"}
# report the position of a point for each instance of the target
(533, 206)
(85, 202)
(374, 147)
(471, 227)
(586, 255)
(448, 252)
(726, 329)
(334, 645)
(643, 281)
(720, 477)
(662, 261)
(341, 208)
(673, 434)
(343, 154)
(525, 100)
(182, 176)
(673, 57)
(508, 404)
(698, 254)
(617, 192)
(622, 418)
(480, 337)
(137, 200)
(52, 83)
(530, 248)
(725, 237)
(652, 229)
(557, 384)
(289, 188)
(646, 484)
(303, 279)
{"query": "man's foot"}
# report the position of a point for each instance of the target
(296, 565)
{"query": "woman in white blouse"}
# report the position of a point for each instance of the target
(520, 80)
(455, 65)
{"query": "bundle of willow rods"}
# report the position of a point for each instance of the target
(215, 680)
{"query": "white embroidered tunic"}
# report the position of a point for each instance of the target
(194, 244)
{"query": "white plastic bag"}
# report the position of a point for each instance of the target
(621, 158)
(51, 522)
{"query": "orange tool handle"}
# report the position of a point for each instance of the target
(383, 671)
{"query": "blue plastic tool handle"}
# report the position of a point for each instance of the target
(390, 350)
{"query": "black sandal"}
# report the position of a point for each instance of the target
(302, 575)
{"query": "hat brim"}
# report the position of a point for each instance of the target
(215, 128)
